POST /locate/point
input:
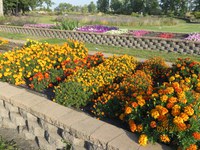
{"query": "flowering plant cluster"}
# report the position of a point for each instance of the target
(117, 32)
(139, 33)
(46, 26)
(96, 28)
(194, 37)
(160, 103)
(166, 35)
(19, 65)
(3, 41)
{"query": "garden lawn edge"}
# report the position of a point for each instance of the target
(92, 132)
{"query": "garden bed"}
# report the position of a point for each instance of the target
(150, 43)
(158, 102)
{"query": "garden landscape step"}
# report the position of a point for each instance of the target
(49, 124)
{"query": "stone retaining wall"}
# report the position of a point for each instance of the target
(149, 43)
(49, 124)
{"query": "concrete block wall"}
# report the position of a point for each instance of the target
(49, 124)
(148, 43)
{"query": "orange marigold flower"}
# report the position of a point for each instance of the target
(192, 147)
(181, 126)
(154, 113)
(176, 110)
(178, 120)
(128, 110)
(153, 124)
(143, 140)
(188, 110)
(121, 117)
(184, 116)
(169, 105)
(172, 100)
(134, 104)
(132, 125)
(164, 138)
(140, 128)
(196, 135)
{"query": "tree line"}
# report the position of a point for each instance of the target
(150, 7)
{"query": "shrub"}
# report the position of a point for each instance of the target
(71, 94)
(66, 25)
(156, 67)
(197, 15)
(112, 100)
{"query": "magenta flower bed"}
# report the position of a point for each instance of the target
(139, 33)
(194, 37)
(96, 28)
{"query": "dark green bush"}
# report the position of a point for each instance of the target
(71, 94)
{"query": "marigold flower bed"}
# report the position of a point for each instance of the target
(158, 102)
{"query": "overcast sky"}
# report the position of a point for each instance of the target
(73, 2)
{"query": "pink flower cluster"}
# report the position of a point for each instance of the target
(193, 37)
(139, 33)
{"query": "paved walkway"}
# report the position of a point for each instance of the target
(22, 144)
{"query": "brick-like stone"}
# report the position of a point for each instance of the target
(6, 123)
(105, 134)
(1, 104)
(3, 84)
(126, 141)
(17, 119)
(78, 142)
(49, 111)
(11, 108)
(26, 100)
(35, 129)
(8, 91)
(4, 113)
(155, 147)
(69, 118)
(67, 136)
(85, 128)
(44, 145)
(29, 136)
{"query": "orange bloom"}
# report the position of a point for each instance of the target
(128, 110)
(154, 113)
(192, 147)
(134, 104)
(153, 124)
(169, 105)
(182, 126)
(176, 110)
(139, 128)
(172, 100)
(164, 138)
(132, 125)
(184, 116)
(196, 135)
(164, 98)
(188, 110)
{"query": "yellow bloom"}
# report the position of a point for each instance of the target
(164, 138)
(154, 113)
(188, 110)
(143, 140)
(164, 98)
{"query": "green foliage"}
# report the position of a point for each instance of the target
(71, 94)
(7, 145)
(197, 14)
(103, 5)
(67, 25)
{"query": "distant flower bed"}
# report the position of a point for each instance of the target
(139, 33)
(194, 37)
(160, 103)
(3, 41)
(166, 35)
(96, 28)
(46, 26)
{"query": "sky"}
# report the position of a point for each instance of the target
(73, 2)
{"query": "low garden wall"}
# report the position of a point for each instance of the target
(150, 43)
(49, 124)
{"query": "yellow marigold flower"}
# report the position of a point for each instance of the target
(143, 140)
(178, 120)
(128, 110)
(194, 76)
(172, 78)
(187, 80)
(154, 113)
(121, 117)
(164, 98)
(192, 147)
(184, 116)
(1, 75)
(188, 110)
(164, 138)
(141, 102)
(155, 95)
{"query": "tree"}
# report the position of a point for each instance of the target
(103, 6)
(197, 5)
(91, 7)
(84, 9)
(116, 6)
(64, 7)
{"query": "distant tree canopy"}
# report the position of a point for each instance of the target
(151, 7)
(14, 7)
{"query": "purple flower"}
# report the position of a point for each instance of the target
(139, 33)
(47, 26)
(193, 37)
(96, 28)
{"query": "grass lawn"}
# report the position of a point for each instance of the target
(106, 49)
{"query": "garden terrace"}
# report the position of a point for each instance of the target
(48, 123)
(145, 42)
